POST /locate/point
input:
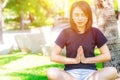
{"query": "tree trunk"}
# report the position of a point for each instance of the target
(1, 24)
(110, 30)
(22, 20)
(2, 5)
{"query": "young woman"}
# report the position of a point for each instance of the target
(80, 41)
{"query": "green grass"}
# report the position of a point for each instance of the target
(24, 66)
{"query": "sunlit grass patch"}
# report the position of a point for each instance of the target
(36, 73)
(5, 59)
(25, 67)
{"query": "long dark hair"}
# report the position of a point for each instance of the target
(86, 9)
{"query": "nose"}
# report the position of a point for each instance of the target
(80, 18)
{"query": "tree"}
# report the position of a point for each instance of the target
(106, 20)
(2, 5)
(40, 9)
(110, 30)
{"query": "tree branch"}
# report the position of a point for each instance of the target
(4, 4)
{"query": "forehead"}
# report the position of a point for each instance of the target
(77, 10)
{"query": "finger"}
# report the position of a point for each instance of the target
(81, 49)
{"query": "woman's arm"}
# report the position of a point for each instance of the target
(57, 57)
(103, 57)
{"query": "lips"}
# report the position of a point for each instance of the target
(80, 22)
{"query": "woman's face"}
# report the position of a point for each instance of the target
(79, 17)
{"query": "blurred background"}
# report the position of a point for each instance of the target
(28, 29)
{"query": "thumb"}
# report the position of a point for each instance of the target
(81, 48)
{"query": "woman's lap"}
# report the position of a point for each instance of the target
(81, 74)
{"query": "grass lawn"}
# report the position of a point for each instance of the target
(24, 66)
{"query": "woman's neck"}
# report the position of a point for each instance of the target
(81, 29)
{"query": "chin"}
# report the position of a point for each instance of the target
(80, 24)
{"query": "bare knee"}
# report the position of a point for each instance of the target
(111, 71)
(52, 73)
(108, 73)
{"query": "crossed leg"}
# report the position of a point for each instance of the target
(108, 73)
(57, 74)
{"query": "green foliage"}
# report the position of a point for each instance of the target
(98, 65)
(116, 5)
(19, 5)
(41, 10)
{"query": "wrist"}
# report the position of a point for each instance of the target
(85, 61)
(72, 61)
(76, 61)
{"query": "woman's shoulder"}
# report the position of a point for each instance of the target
(67, 30)
(97, 32)
(94, 29)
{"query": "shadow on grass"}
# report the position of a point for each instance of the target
(36, 73)
(28, 76)
(8, 58)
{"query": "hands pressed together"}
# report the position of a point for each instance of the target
(80, 55)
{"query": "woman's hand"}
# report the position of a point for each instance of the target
(77, 58)
(81, 53)
(103, 57)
